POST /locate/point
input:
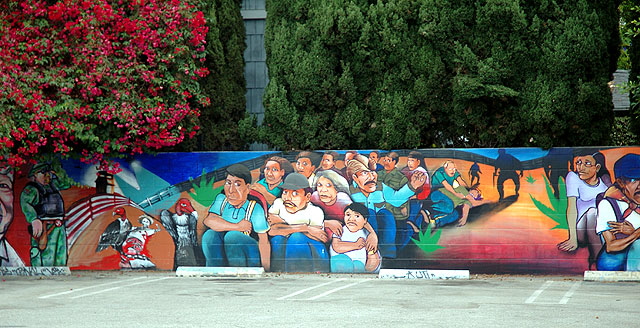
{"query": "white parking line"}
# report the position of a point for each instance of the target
(118, 287)
(565, 299)
(335, 290)
(89, 287)
(538, 292)
(310, 288)
(569, 293)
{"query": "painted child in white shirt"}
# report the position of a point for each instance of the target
(348, 251)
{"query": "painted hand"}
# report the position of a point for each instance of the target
(621, 227)
(244, 226)
(418, 179)
(273, 219)
(568, 245)
(318, 233)
(372, 242)
(335, 226)
(36, 225)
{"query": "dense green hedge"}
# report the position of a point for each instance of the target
(415, 74)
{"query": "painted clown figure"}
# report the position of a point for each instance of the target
(43, 208)
(134, 253)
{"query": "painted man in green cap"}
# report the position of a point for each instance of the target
(43, 207)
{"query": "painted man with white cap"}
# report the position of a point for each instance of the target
(298, 239)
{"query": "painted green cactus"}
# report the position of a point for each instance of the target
(427, 241)
(203, 191)
(531, 179)
(558, 209)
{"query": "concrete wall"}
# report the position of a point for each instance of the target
(520, 232)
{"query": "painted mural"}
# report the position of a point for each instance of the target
(513, 210)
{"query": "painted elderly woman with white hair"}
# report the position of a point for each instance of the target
(8, 256)
(331, 193)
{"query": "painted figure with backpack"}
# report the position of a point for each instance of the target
(237, 234)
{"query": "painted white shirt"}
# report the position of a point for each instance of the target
(358, 254)
(584, 192)
(8, 256)
(310, 215)
(606, 213)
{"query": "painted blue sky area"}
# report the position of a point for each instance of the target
(523, 154)
(171, 167)
(74, 169)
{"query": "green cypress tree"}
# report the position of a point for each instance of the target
(225, 85)
(567, 101)
(412, 74)
(311, 85)
(487, 80)
(630, 12)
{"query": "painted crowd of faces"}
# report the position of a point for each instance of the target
(515, 219)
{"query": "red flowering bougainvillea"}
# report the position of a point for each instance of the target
(97, 78)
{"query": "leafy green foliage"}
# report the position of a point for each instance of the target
(225, 86)
(622, 133)
(630, 30)
(413, 74)
(558, 209)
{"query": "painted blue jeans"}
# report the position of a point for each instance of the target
(443, 209)
(298, 253)
(344, 264)
(232, 248)
(384, 224)
(627, 259)
(404, 230)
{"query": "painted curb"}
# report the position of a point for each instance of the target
(423, 274)
(35, 271)
(611, 276)
(219, 271)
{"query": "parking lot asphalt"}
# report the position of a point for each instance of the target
(162, 299)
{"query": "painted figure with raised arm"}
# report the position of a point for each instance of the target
(375, 195)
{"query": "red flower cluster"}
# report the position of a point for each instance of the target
(98, 78)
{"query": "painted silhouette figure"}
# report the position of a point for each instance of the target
(557, 163)
(506, 168)
(474, 173)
